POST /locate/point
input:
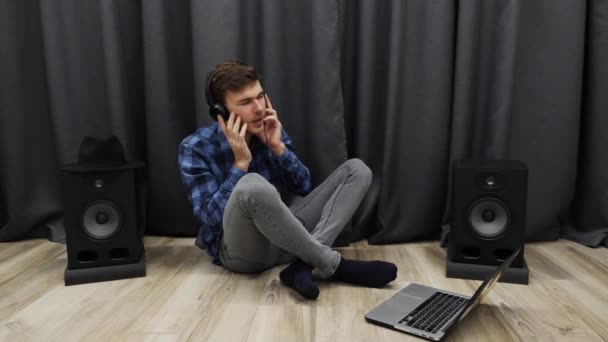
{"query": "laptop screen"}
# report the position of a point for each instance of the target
(485, 287)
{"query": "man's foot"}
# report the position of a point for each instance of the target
(365, 273)
(298, 276)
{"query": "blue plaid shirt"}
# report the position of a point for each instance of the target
(208, 173)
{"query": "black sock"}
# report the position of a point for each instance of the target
(298, 276)
(365, 273)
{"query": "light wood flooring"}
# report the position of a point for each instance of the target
(185, 297)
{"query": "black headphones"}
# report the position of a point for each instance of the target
(215, 108)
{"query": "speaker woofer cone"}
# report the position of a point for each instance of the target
(489, 218)
(101, 220)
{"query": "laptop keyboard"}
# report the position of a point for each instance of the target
(434, 312)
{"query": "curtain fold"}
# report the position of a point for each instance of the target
(29, 167)
(398, 95)
(170, 111)
(406, 86)
(588, 223)
(547, 108)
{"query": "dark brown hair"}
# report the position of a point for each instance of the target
(233, 76)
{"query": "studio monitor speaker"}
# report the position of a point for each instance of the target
(488, 219)
(104, 217)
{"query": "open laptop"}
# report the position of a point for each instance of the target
(429, 312)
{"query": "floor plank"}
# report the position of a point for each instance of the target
(185, 297)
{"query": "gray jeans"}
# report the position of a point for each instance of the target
(261, 231)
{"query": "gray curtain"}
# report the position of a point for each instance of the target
(589, 221)
(407, 86)
(429, 82)
(136, 70)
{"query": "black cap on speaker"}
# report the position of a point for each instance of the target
(101, 154)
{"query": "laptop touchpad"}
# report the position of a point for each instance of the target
(397, 307)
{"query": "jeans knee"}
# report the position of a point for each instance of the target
(253, 186)
(361, 171)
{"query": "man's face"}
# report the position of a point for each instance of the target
(249, 103)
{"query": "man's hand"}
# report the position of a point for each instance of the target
(271, 136)
(235, 133)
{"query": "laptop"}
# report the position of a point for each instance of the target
(429, 312)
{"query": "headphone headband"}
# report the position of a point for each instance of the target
(208, 93)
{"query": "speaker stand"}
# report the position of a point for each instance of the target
(105, 273)
(514, 275)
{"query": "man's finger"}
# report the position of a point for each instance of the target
(230, 121)
(271, 112)
(237, 125)
(270, 118)
(243, 131)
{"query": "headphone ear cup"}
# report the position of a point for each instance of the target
(212, 113)
(219, 109)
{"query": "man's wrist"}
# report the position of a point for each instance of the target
(243, 166)
(279, 150)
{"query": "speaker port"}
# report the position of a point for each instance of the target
(119, 253)
(502, 254)
(471, 252)
(87, 256)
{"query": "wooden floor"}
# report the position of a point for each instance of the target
(185, 297)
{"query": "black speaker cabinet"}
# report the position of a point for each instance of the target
(488, 219)
(104, 213)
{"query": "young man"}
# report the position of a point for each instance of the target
(253, 195)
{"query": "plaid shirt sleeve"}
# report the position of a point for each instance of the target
(293, 172)
(207, 196)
